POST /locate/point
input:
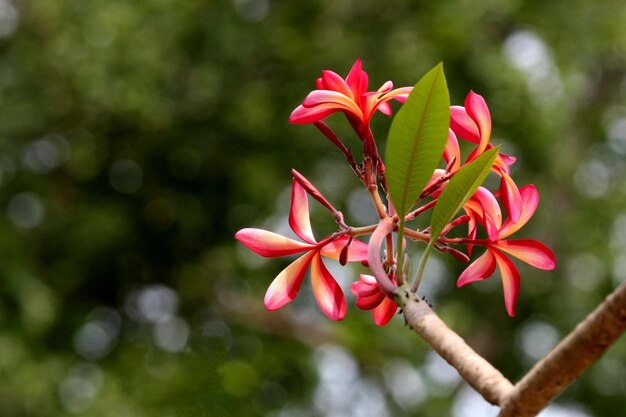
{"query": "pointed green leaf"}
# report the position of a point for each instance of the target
(417, 139)
(459, 189)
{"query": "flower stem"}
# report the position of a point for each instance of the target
(386, 285)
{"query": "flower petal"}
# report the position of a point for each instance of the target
(477, 109)
(368, 279)
(385, 108)
(385, 311)
(510, 280)
(511, 197)
(327, 292)
(357, 251)
(365, 287)
(463, 125)
(368, 302)
(452, 150)
(506, 159)
(490, 206)
(502, 163)
(269, 244)
(472, 230)
(399, 94)
(333, 99)
(530, 251)
(357, 79)
(303, 115)
(480, 269)
(530, 201)
(333, 81)
(299, 213)
(286, 285)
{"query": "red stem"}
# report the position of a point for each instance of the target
(376, 266)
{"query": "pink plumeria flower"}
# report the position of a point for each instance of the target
(347, 95)
(473, 123)
(286, 285)
(530, 251)
(369, 296)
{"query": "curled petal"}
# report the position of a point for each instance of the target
(327, 292)
(370, 297)
(530, 201)
(357, 251)
(511, 197)
(369, 302)
(506, 159)
(332, 98)
(385, 108)
(299, 213)
(510, 280)
(492, 230)
(270, 244)
(332, 81)
(472, 229)
(385, 311)
(530, 251)
(463, 125)
(452, 150)
(304, 115)
(368, 279)
(490, 208)
(374, 101)
(286, 285)
(490, 219)
(502, 163)
(386, 87)
(399, 94)
(365, 287)
(480, 269)
(477, 109)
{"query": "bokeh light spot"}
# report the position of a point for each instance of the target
(26, 210)
(125, 176)
(536, 339)
(171, 335)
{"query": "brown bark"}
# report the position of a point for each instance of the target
(583, 346)
(472, 367)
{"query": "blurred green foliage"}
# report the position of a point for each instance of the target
(137, 137)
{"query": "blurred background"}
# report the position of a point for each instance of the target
(137, 137)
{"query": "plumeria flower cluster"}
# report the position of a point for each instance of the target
(490, 218)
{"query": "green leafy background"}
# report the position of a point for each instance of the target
(137, 137)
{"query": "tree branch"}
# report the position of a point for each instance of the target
(583, 346)
(472, 367)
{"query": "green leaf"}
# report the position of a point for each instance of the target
(417, 139)
(459, 189)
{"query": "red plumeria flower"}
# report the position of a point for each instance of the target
(286, 285)
(473, 123)
(530, 251)
(369, 296)
(482, 208)
(350, 96)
